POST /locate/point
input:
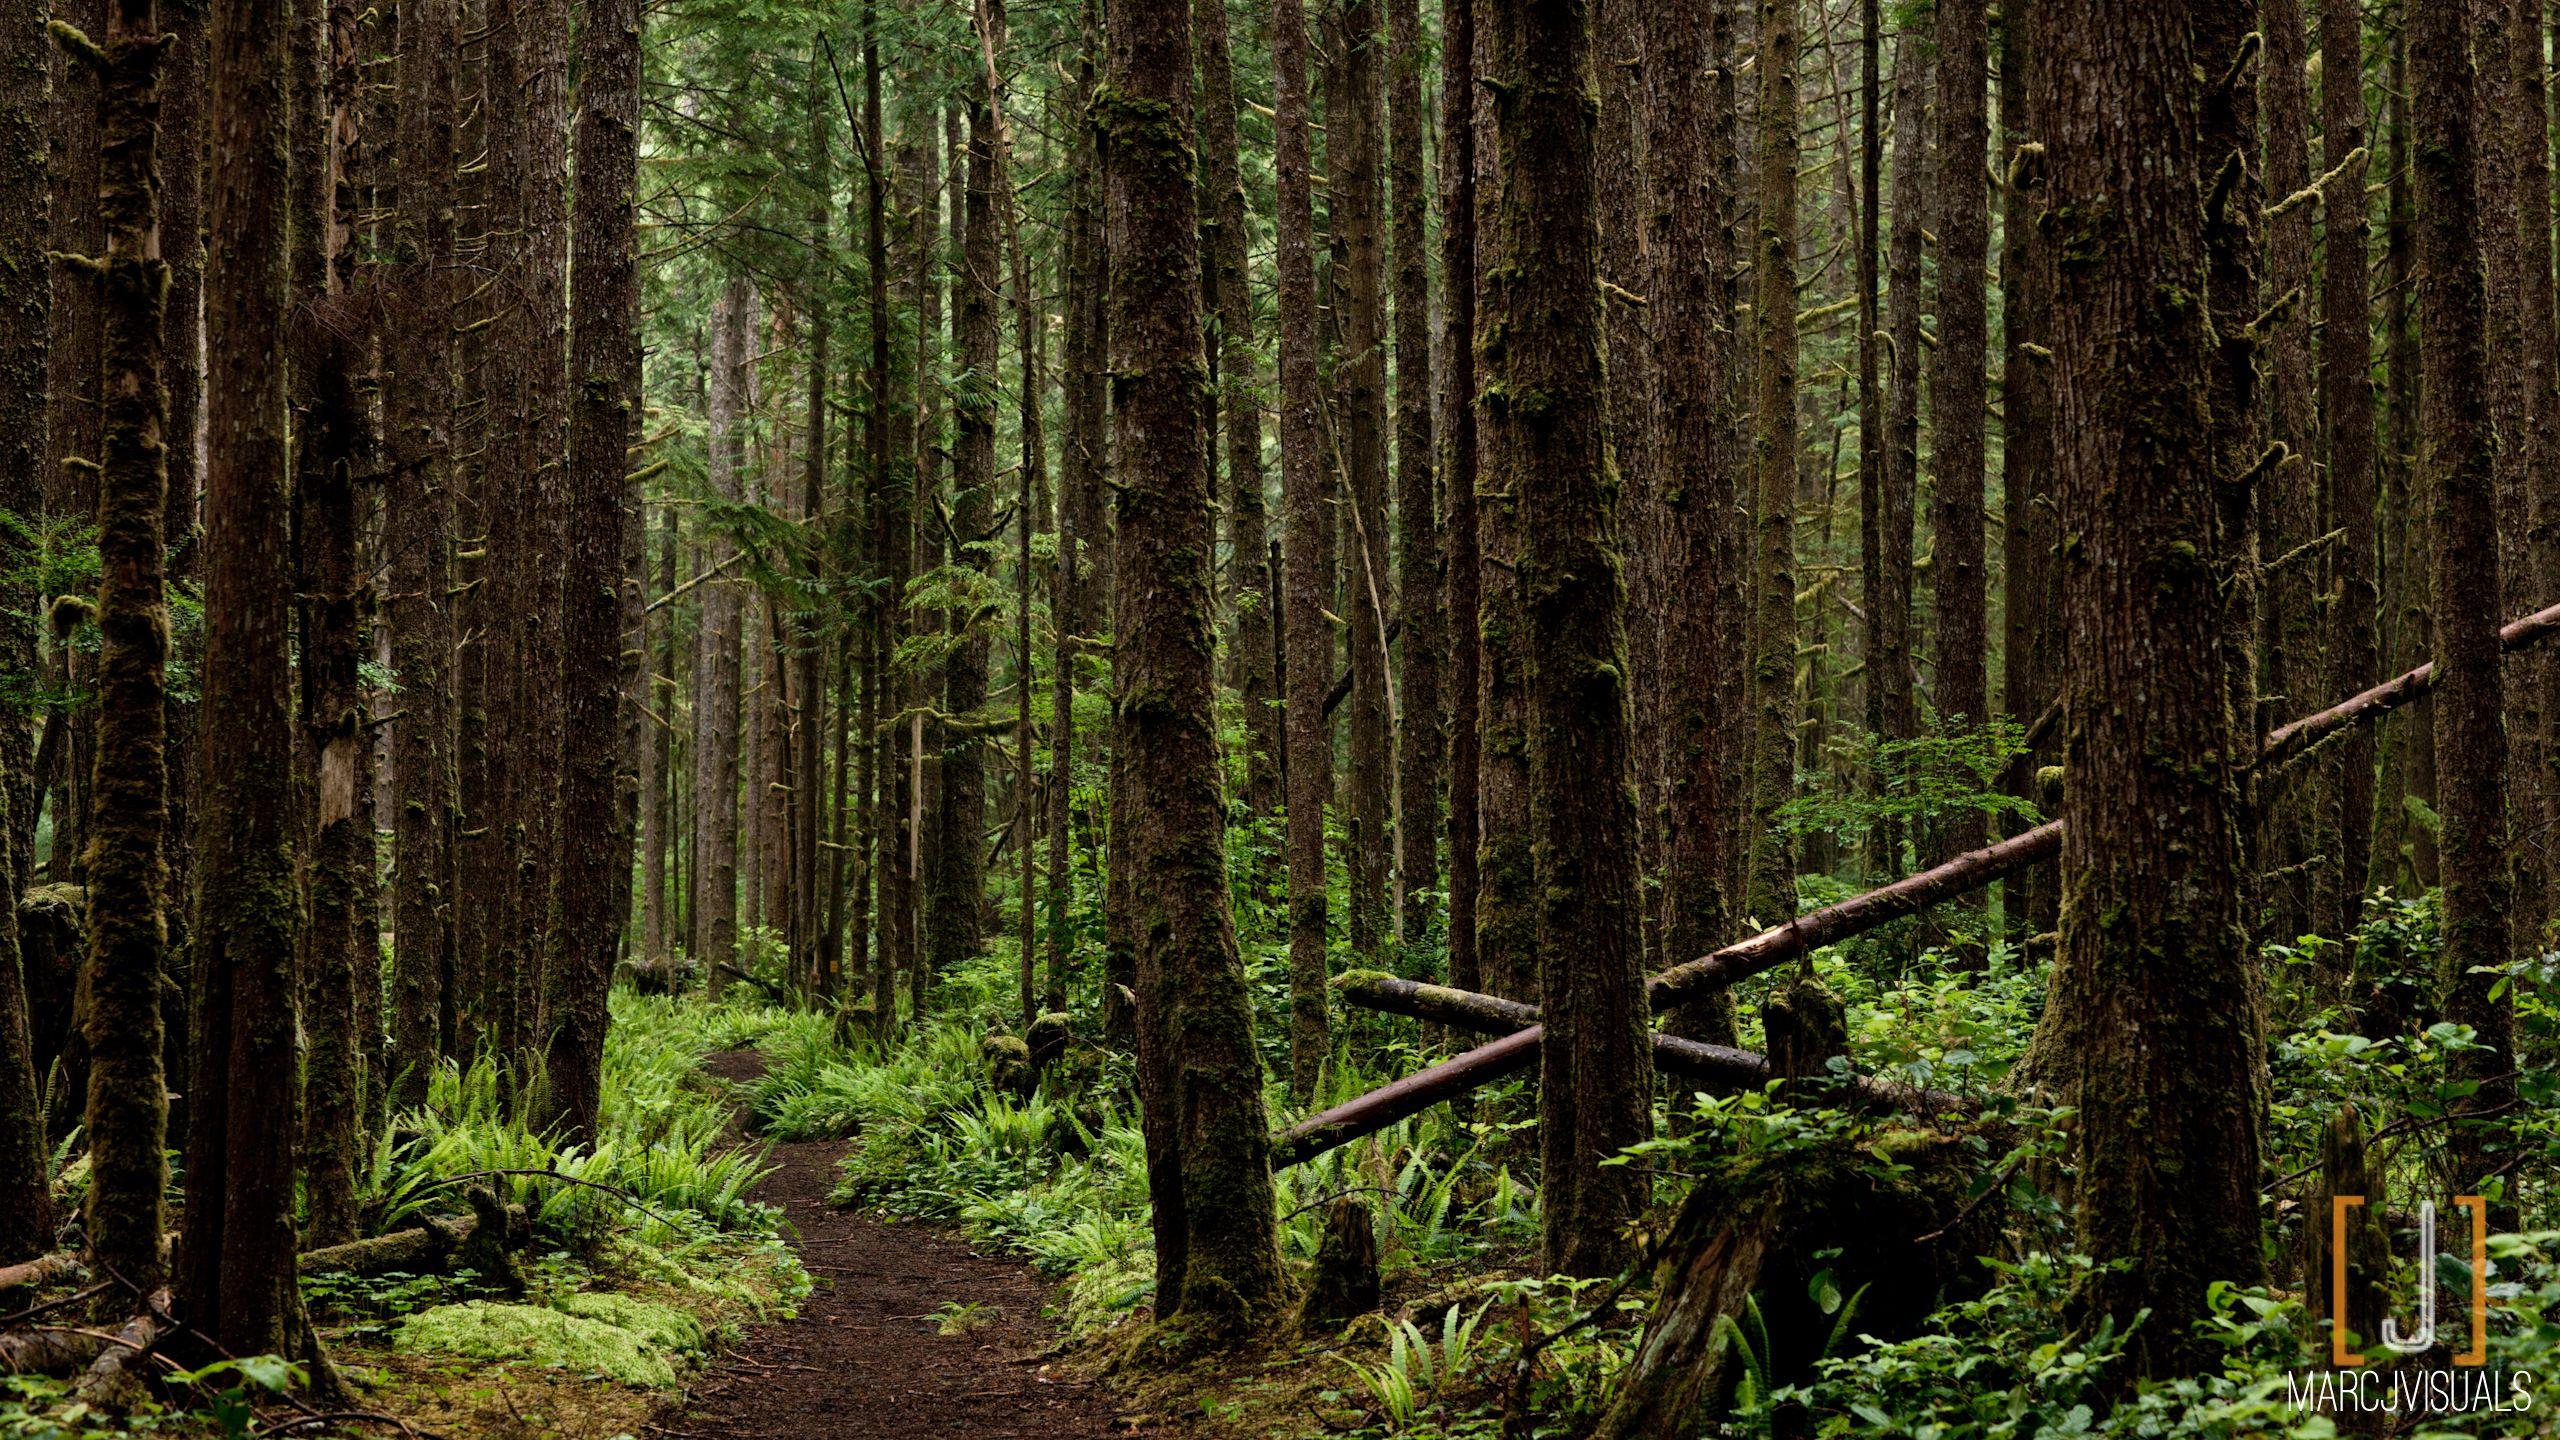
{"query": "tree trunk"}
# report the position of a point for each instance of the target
(1354, 153)
(2157, 997)
(1891, 663)
(1458, 162)
(1307, 530)
(26, 1206)
(1701, 485)
(2405, 853)
(1421, 734)
(1547, 445)
(1957, 391)
(418, 507)
(2346, 388)
(2470, 729)
(657, 800)
(1773, 453)
(127, 1109)
(604, 353)
(2031, 601)
(1217, 1261)
(1228, 236)
(236, 1271)
(2295, 845)
(717, 674)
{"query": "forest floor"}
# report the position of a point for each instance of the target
(908, 1334)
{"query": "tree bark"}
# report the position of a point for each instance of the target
(1958, 395)
(2030, 540)
(236, 1271)
(2346, 389)
(1217, 1260)
(1547, 445)
(127, 1110)
(2156, 995)
(1354, 154)
(1891, 663)
(2470, 727)
(418, 507)
(1421, 734)
(1458, 160)
(1773, 453)
(1307, 531)
(717, 672)
(604, 355)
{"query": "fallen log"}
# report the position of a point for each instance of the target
(1719, 1066)
(112, 1382)
(44, 1270)
(425, 1246)
(1367, 1114)
(49, 1350)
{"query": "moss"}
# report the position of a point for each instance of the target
(486, 1330)
(661, 1325)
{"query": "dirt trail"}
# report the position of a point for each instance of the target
(865, 1359)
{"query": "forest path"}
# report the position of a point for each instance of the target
(865, 1358)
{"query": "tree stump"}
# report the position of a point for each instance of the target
(1345, 1283)
(2366, 1254)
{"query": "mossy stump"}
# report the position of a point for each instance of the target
(1344, 1284)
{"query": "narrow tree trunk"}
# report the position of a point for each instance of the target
(809, 660)
(657, 800)
(2346, 388)
(1421, 712)
(1354, 153)
(717, 675)
(418, 404)
(2405, 853)
(1957, 391)
(2156, 996)
(1307, 531)
(1458, 162)
(1217, 1261)
(604, 353)
(1890, 660)
(26, 1206)
(2031, 601)
(127, 1106)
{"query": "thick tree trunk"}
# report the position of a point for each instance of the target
(1547, 446)
(2470, 729)
(604, 355)
(236, 1272)
(1700, 487)
(1307, 531)
(2346, 389)
(2156, 994)
(418, 508)
(1773, 455)
(127, 1106)
(1217, 1261)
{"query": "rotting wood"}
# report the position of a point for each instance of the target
(1367, 1114)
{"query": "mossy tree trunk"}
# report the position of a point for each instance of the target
(236, 1272)
(26, 1212)
(2346, 392)
(2156, 998)
(1894, 706)
(418, 404)
(1307, 531)
(2470, 727)
(1464, 585)
(2032, 615)
(604, 363)
(1217, 1260)
(1421, 710)
(1355, 158)
(1773, 458)
(1547, 446)
(1958, 392)
(127, 1107)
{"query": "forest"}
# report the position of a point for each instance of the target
(1403, 719)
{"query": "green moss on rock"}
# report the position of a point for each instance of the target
(487, 1330)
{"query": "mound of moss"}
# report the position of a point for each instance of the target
(489, 1330)
(661, 1325)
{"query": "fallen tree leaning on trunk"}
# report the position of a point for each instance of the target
(1367, 1114)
